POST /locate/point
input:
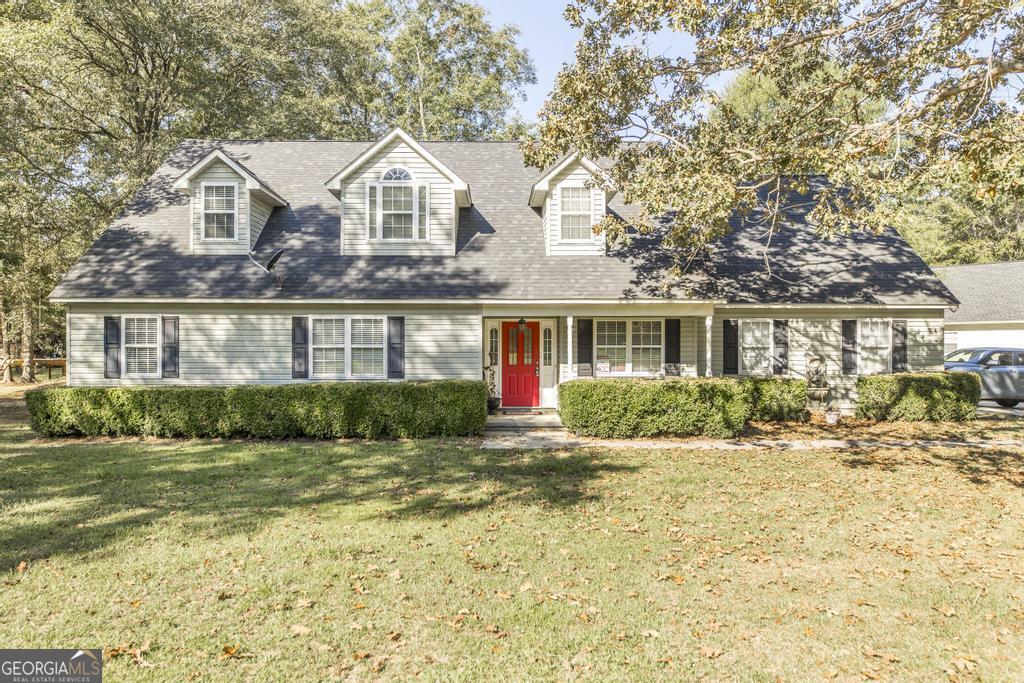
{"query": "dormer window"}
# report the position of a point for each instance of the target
(402, 210)
(220, 211)
(576, 214)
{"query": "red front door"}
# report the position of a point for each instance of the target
(520, 366)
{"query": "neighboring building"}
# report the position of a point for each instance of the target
(418, 261)
(991, 311)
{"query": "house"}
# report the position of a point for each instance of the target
(408, 261)
(989, 313)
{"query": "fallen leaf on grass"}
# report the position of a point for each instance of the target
(887, 656)
(360, 655)
(710, 652)
(945, 611)
(234, 652)
(22, 566)
(394, 635)
(299, 630)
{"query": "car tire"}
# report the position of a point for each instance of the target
(1007, 403)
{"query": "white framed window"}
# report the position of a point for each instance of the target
(347, 347)
(492, 347)
(645, 346)
(140, 345)
(219, 211)
(628, 347)
(367, 352)
(575, 214)
(328, 347)
(397, 208)
(756, 346)
(874, 346)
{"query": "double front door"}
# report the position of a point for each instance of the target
(520, 364)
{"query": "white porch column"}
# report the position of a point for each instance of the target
(709, 323)
(568, 345)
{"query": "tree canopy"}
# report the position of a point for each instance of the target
(95, 94)
(887, 98)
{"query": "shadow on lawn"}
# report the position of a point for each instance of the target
(979, 466)
(78, 496)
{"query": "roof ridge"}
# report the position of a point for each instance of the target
(985, 263)
(352, 140)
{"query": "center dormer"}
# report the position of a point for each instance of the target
(399, 199)
(572, 199)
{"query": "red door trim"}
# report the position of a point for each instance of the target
(520, 381)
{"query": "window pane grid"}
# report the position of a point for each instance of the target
(219, 207)
(362, 339)
(397, 226)
(756, 346)
(873, 343)
(546, 347)
(575, 213)
(141, 353)
(611, 344)
(646, 345)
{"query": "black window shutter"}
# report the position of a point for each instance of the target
(780, 332)
(585, 346)
(849, 347)
(730, 347)
(396, 347)
(111, 347)
(300, 347)
(899, 345)
(672, 346)
(169, 346)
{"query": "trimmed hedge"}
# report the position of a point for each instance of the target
(777, 399)
(320, 411)
(715, 407)
(919, 397)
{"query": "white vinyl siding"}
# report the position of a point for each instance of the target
(819, 332)
(756, 347)
(220, 174)
(434, 235)
(251, 343)
(259, 215)
(579, 237)
(140, 346)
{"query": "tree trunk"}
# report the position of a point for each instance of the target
(5, 355)
(27, 339)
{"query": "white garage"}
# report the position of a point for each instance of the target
(991, 311)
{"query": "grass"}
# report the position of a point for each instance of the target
(210, 560)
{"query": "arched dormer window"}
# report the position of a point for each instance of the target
(403, 209)
(396, 175)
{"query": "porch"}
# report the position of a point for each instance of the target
(528, 351)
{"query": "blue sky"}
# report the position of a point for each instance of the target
(551, 42)
(545, 35)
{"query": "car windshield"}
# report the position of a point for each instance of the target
(964, 356)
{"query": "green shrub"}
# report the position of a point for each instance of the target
(321, 410)
(917, 397)
(777, 399)
(625, 408)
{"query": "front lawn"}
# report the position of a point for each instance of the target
(305, 561)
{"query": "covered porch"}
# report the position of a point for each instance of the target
(528, 350)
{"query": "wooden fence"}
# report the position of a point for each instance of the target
(45, 368)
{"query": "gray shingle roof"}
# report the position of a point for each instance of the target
(987, 291)
(500, 249)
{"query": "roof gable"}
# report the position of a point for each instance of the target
(252, 183)
(540, 188)
(463, 196)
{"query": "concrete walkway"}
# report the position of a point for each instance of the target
(558, 439)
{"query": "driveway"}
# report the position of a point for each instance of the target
(991, 408)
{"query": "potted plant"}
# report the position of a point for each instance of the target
(832, 414)
(493, 400)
